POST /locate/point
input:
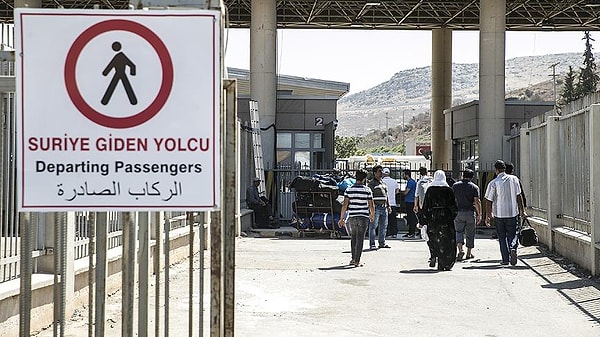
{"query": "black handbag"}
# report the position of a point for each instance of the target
(527, 235)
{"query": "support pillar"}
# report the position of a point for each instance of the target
(441, 96)
(491, 81)
(594, 139)
(263, 71)
(554, 188)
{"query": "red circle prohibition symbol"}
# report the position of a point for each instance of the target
(71, 82)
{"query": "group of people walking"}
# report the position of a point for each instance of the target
(446, 214)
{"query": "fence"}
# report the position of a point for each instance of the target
(559, 167)
(10, 239)
(284, 176)
(570, 151)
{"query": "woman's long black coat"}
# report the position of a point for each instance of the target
(439, 211)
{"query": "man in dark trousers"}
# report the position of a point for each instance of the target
(358, 201)
(260, 205)
(466, 194)
(409, 201)
(382, 208)
(503, 200)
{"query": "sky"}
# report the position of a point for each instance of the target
(365, 58)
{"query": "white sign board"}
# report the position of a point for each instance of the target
(118, 109)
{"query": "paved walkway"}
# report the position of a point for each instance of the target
(302, 287)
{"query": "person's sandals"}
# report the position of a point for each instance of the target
(432, 262)
(358, 264)
(352, 263)
(460, 256)
(469, 257)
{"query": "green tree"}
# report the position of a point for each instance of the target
(348, 146)
(568, 92)
(588, 79)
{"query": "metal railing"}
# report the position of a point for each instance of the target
(10, 238)
(574, 162)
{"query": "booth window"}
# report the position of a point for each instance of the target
(300, 150)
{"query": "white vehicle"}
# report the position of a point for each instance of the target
(392, 161)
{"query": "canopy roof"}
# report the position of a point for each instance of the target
(528, 15)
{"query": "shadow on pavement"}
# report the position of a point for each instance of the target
(341, 267)
(365, 250)
(582, 292)
(420, 271)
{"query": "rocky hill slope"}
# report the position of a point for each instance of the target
(406, 95)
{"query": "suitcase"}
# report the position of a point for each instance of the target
(323, 221)
(527, 235)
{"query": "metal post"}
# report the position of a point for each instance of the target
(228, 206)
(387, 128)
(25, 276)
(91, 230)
(403, 143)
(143, 265)
(167, 267)
(216, 275)
(63, 272)
(55, 287)
(201, 276)
(189, 219)
(553, 66)
(101, 264)
(157, 245)
(128, 274)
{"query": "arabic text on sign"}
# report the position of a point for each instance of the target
(147, 190)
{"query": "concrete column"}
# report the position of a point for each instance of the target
(441, 96)
(594, 131)
(553, 158)
(263, 71)
(491, 81)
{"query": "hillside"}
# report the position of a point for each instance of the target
(408, 92)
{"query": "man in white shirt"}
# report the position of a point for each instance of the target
(392, 189)
(503, 201)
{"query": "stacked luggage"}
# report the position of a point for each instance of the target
(317, 205)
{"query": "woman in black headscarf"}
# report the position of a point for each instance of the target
(439, 211)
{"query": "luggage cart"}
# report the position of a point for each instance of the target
(315, 212)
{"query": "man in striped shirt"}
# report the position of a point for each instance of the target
(358, 201)
(503, 201)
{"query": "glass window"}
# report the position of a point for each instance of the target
(284, 140)
(302, 159)
(284, 157)
(302, 141)
(318, 140)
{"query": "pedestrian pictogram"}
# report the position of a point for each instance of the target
(119, 63)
